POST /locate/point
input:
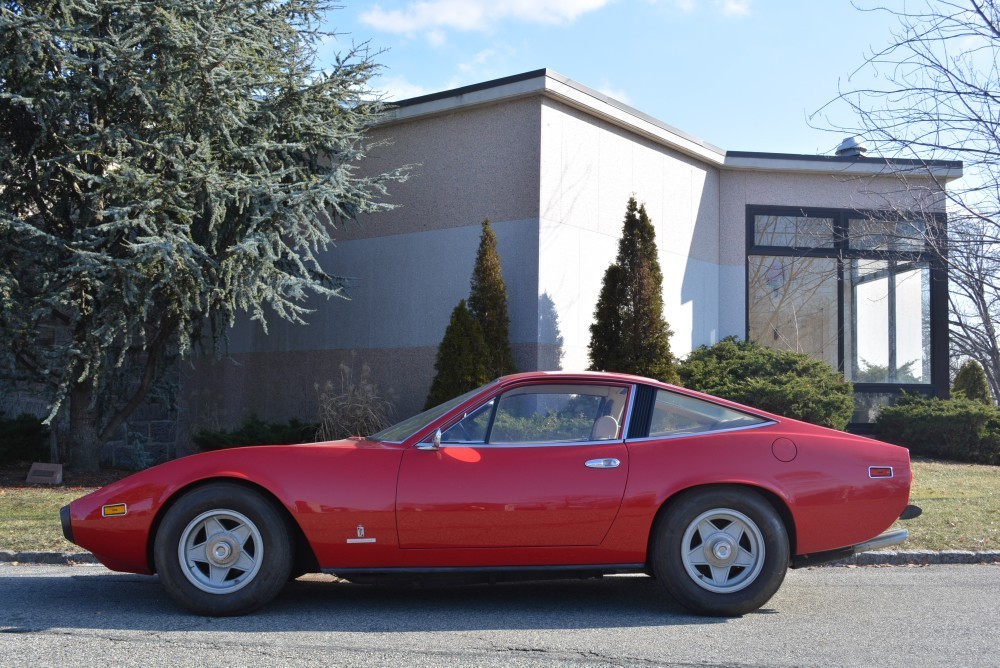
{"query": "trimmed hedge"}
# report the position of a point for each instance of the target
(23, 439)
(790, 384)
(958, 429)
(256, 432)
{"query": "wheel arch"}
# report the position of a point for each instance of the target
(305, 560)
(775, 501)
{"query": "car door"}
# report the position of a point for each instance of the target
(539, 465)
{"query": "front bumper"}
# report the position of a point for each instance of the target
(67, 524)
(887, 539)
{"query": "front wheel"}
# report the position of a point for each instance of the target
(223, 549)
(720, 551)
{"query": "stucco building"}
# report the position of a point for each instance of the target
(781, 248)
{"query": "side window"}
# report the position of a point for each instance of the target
(679, 414)
(559, 413)
(471, 428)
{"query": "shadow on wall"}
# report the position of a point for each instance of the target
(702, 284)
(550, 340)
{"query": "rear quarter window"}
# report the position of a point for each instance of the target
(678, 414)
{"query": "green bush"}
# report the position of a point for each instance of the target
(461, 363)
(23, 439)
(256, 432)
(970, 382)
(957, 429)
(629, 333)
(782, 382)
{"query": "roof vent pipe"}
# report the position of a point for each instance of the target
(852, 147)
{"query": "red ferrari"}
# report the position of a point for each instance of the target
(534, 475)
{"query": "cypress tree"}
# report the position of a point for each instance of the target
(461, 358)
(970, 382)
(629, 333)
(488, 304)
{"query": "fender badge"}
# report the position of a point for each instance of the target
(361, 536)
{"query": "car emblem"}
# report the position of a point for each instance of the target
(361, 536)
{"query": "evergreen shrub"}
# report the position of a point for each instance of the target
(787, 383)
(958, 429)
(461, 363)
(256, 432)
(488, 305)
(970, 382)
(629, 333)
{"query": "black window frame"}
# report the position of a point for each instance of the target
(843, 254)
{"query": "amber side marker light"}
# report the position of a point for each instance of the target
(114, 510)
(879, 471)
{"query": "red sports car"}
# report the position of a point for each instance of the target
(533, 475)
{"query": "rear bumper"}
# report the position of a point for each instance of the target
(887, 539)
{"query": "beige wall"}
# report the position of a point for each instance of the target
(589, 170)
(467, 165)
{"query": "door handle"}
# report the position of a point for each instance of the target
(607, 463)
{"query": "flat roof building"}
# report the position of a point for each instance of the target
(821, 254)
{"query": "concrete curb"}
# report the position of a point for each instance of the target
(881, 558)
(919, 558)
(65, 558)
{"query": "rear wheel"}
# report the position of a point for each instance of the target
(720, 551)
(223, 549)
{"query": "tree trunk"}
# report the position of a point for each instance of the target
(84, 434)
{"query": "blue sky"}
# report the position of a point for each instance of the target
(740, 74)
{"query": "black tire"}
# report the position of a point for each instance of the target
(237, 550)
(720, 551)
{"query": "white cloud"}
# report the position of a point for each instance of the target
(397, 88)
(728, 8)
(477, 61)
(615, 93)
(733, 7)
(467, 15)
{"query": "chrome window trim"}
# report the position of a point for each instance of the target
(553, 444)
(622, 430)
(664, 437)
(633, 390)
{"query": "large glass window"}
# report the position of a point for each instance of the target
(793, 304)
(859, 290)
(889, 338)
(794, 231)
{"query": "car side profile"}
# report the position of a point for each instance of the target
(533, 475)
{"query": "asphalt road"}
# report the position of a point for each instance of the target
(72, 616)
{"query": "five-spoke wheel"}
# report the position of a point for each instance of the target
(220, 551)
(223, 549)
(720, 550)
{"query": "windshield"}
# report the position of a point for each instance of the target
(402, 430)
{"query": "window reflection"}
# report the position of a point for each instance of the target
(793, 231)
(889, 303)
(886, 235)
(793, 305)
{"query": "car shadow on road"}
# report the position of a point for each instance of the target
(134, 602)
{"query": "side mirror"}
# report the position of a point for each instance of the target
(435, 443)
